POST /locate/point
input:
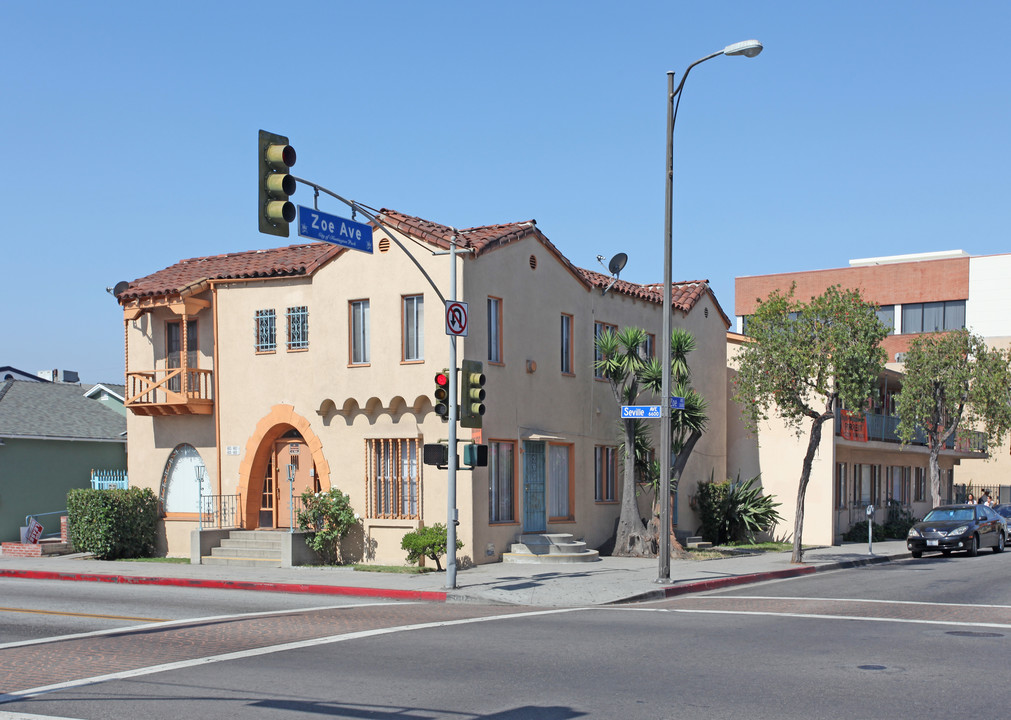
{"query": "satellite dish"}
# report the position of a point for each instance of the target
(617, 263)
(120, 288)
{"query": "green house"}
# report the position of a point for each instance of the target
(51, 438)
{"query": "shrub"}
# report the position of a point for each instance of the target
(427, 542)
(899, 521)
(734, 511)
(328, 517)
(858, 533)
(113, 524)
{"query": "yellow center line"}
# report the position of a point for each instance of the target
(83, 615)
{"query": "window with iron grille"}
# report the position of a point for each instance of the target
(501, 481)
(394, 477)
(298, 328)
(266, 334)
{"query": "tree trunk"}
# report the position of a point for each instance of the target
(805, 477)
(935, 474)
(632, 538)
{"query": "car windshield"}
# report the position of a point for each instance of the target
(949, 514)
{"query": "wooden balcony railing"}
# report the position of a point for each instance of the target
(170, 391)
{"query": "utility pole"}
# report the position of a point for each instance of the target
(454, 412)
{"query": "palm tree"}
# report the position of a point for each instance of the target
(688, 425)
(622, 362)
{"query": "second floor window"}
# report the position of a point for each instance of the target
(933, 316)
(599, 329)
(494, 330)
(359, 310)
(298, 328)
(566, 344)
(414, 328)
(266, 333)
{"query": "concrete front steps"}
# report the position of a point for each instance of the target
(549, 548)
(248, 548)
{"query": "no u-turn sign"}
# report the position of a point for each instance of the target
(456, 318)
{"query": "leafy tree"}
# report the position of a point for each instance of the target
(805, 361)
(953, 381)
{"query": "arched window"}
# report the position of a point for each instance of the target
(184, 479)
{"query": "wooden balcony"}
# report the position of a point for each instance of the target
(170, 391)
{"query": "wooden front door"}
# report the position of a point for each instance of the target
(294, 473)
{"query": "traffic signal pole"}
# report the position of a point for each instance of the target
(454, 412)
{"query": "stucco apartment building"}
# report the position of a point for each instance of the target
(861, 461)
(323, 359)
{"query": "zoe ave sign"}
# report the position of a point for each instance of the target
(334, 230)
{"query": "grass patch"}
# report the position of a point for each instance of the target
(170, 560)
(763, 546)
(401, 569)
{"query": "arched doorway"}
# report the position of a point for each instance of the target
(289, 473)
(183, 481)
(280, 436)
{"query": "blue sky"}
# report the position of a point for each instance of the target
(863, 129)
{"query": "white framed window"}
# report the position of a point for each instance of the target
(298, 328)
(413, 328)
(494, 329)
(359, 324)
(266, 331)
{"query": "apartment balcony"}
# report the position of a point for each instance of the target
(868, 426)
(170, 391)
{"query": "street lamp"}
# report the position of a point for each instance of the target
(748, 48)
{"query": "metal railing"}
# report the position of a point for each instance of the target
(884, 428)
(219, 511)
(47, 536)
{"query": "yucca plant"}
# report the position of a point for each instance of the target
(747, 511)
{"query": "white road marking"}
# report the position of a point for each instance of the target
(855, 600)
(184, 664)
(171, 623)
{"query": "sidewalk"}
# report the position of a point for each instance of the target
(611, 580)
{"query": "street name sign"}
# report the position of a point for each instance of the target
(631, 412)
(677, 403)
(334, 230)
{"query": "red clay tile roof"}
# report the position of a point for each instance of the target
(275, 262)
(305, 259)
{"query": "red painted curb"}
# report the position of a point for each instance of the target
(704, 585)
(430, 596)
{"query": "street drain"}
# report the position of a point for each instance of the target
(871, 667)
(970, 633)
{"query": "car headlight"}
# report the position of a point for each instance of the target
(913, 532)
(960, 530)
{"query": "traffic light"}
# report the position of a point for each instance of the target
(475, 455)
(441, 395)
(276, 156)
(472, 394)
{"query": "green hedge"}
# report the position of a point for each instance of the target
(113, 524)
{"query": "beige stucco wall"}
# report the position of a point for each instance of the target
(337, 406)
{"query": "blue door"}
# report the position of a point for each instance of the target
(534, 519)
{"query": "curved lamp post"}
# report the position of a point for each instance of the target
(748, 48)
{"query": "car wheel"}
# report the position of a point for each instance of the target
(917, 554)
(973, 550)
(999, 547)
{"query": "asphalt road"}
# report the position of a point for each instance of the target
(910, 639)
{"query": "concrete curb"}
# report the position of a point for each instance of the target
(390, 594)
(720, 583)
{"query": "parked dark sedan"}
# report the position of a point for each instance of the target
(957, 527)
(1005, 512)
